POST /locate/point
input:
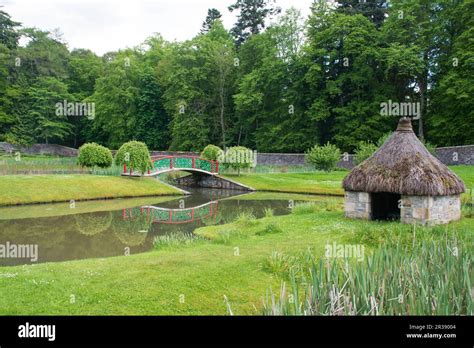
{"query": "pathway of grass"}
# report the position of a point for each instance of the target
(27, 189)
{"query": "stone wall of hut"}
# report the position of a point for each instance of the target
(413, 209)
(430, 210)
(357, 205)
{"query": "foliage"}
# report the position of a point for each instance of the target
(211, 152)
(282, 86)
(92, 155)
(135, 155)
(251, 17)
(364, 150)
(323, 157)
(237, 158)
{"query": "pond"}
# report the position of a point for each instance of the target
(99, 229)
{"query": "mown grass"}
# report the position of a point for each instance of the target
(309, 183)
(184, 277)
(320, 182)
(27, 189)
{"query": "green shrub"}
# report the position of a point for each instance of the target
(364, 150)
(323, 157)
(211, 152)
(237, 158)
(94, 155)
(135, 155)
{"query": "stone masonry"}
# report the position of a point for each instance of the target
(357, 205)
(430, 210)
(424, 210)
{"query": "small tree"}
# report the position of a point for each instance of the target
(237, 158)
(212, 152)
(92, 155)
(135, 155)
(323, 157)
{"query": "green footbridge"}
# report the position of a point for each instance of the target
(204, 172)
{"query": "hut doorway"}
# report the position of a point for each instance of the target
(385, 206)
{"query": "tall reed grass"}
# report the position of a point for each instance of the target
(432, 276)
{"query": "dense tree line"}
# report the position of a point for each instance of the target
(278, 87)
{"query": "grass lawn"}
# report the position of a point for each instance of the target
(318, 182)
(26, 189)
(193, 278)
(309, 183)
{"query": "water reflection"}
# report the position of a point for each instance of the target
(102, 234)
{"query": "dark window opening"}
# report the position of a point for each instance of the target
(385, 206)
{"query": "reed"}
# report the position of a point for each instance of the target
(432, 276)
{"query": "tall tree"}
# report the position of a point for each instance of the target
(251, 17)
(9, 34)
(375, 10)
(212, 15)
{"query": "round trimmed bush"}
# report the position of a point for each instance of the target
(237, 158)
(323, 157)
(211, 152)
(135, 155)
(94, 155)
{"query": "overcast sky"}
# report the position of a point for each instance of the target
(107, 25)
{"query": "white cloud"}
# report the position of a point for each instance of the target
(107, 25)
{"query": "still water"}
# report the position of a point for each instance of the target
(111, 228)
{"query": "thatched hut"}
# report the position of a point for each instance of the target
(402, 180)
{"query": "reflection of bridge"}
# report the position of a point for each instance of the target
(163, 164)
(172, 216)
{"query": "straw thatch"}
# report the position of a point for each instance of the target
(404, 166)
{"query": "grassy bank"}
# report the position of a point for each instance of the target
(309, 183)
(318, 182)
(238, 260)
(27, 189)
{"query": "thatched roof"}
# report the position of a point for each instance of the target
(403, 165)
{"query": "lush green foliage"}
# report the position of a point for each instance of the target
(364, 150)
(282, 87)
(323, 157)
(237, 158)
(92, 155)
(211, 152)
(135, 155)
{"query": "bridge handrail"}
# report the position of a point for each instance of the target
(214, 164)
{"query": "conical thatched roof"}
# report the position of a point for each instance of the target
(404, 166)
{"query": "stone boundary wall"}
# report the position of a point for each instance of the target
(453, 155)
(456, 154)
(40, 149)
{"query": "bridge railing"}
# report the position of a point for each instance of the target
(184, 162)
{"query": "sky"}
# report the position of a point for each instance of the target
(108, 25)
